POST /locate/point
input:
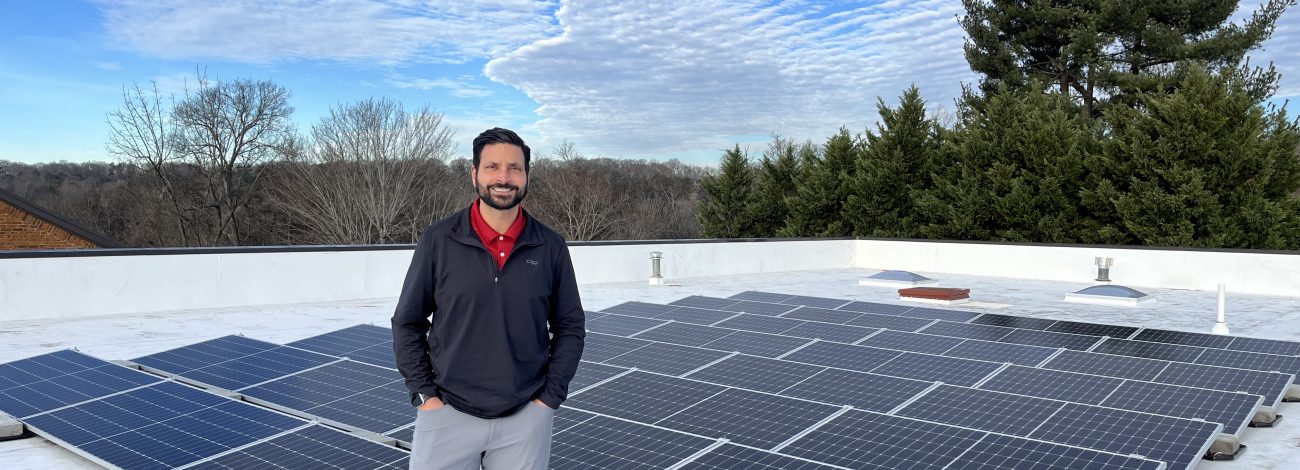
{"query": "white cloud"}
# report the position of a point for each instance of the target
(366, 31)
(461, 87)
(110, 66)
(652, 77)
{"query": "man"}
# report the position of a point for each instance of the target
(470, 329)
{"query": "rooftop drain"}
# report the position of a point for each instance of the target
(890, 278)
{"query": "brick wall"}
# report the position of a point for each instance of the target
(20, 230)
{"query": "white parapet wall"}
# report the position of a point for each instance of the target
(45, 287)
(1276, 274)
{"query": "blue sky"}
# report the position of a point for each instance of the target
(670, 79)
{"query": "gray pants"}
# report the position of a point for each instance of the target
(446, 439)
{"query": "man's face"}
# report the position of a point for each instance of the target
(500, 179)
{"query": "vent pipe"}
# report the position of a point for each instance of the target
(656, 276)
(1103, 268)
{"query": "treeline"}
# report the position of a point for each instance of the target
(1126, 123)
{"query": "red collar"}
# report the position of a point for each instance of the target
(486, 233)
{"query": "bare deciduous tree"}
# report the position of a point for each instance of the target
(371, 174)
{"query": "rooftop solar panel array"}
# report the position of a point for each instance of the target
(841, 384)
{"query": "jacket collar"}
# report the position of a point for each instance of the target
(463, 232)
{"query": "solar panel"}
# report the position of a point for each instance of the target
(1270, 385)
(195, 356)
(1022, 354)
(342, 343)
(981, 409)
(591, 373)
(1006, 452)
(830, 332)
(953, 370)
(1252, 361)
(49, 381)
(760, 323)
(1232, 410)
(622, 325)
(378, 355)
(759, 308)
(1178, 442)
(640, 309)
(1054, 384)
(762, 296)
(699, 301)
(843, 356)
(406, 434)
(809, 301)
(567, 417)
(756, 344)
(160, 426)
(669, 359)
(966, 330)
(599, 347)
(1013, 321)
(1270, 346)
(822, 315)
(1168, 352)
(604, 442)
(1050, 339)
(756, 373)
(940, 314)
(1093, 329)
(594, 315)
(915, 342)
(730, 457)
(238, 373)
(643, 397)
(735, 415)
(861, 390)
(350, 393)
(698, 316)
(860, 439)
(1184, 338)
(1107, 364)
(873, 307)
(873, 320)
(311, 447)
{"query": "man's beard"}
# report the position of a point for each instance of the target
(485, 194)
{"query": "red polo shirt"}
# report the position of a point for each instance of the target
(499, 244)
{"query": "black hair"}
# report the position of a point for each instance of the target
(497, 135)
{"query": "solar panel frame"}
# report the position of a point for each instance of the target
(309, 447)
(27, 395)
(1184, 338)
(639, 309)
(1108, 365)
(842, 356)
(253, 369)
(1050, 339)
(759, 323)
(810, 301)
(345, 341)
(824, 315)
(865, 391)
(1264, 345)
(347, 393)
(1053, 384)
(1013, 321)
(1021, 354)
(759, 308)
(755, 373)
(622, 325)
(1005, 452)
(664, 358)
(604, 442)
(1150, 350)
(1091, 427)
(984, 410)
(199, 355)
(643, 397)
(730, 457)
(1093, 329)
(953, 370)
(601, 347)
(914, 342)
(830, 332)
(861, 439)
(966, 330)
(873, 320)
(700, 301)
(1253, 361)
(875, 307)
(731, 415)
(161, 434)
(1187, 402)
(756, 344)
(590, 373)
(759, 296)
(1271, 386)
(698, 316)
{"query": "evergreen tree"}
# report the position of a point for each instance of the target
(775, 183)
(1118, 49)
(817, 206)
(722, 210)
(895, 164)
(1205, 165)
(1015, 165)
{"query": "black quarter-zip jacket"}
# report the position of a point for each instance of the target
(477, 336)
